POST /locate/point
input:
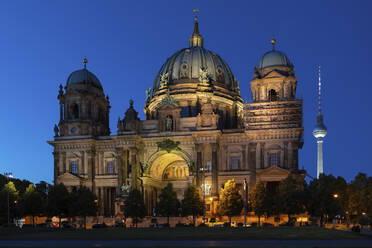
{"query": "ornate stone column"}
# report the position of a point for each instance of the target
(214, 170)
(133, 163)
(85, 164)
(120, 169)
(258, 156)
(290, 155)
(244, 162)
(198, 163)
(56, 165)
(125, 165)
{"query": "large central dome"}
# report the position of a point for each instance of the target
(186, 69)
(195, 76)
(187, 65)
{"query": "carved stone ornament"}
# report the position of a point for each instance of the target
(144, 166)
(164, 79)
(207, 119)
(120, 125)
(56, 131)
(236, 85)
(148, 92)
(168, 145)
(168, 99)
(124, 190)
(204, 75)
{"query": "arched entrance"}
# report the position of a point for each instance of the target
(163, 168)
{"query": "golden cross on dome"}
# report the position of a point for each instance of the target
(196, 13)
(273, 42)
(85, 61)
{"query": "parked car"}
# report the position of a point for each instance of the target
(212, 222)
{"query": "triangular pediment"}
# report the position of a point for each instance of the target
(274, 74)
(68, 177)
(167, 106)
(274, 170)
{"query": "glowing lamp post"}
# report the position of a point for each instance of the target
(245, 201)
(8, 175)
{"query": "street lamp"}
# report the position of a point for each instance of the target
(245, 201)
(202, 169)
(8, 176)
(335, 196)
(96, 202)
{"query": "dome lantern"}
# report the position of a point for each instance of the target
(196, 40)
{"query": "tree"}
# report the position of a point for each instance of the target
(360, 197)
(231, 202)
(168, 203)
(43, 188)
(291, 197)
(324, 196)
(58, 202)
(31, 203)
(13, 198)
(134, 206)
(85, 203)
(258, 200)
(192, 203)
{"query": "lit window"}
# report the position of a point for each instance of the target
(273, 159)
(74, 167)
(110, 167)
(234, 163)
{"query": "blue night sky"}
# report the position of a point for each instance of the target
(126, 42)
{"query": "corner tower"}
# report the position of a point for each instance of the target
(320, 130)
(274, 118)
(84, 109)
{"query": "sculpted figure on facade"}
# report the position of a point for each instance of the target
(204, 77)
(164, 80)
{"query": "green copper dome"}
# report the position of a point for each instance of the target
(274, 58)
(83, 76)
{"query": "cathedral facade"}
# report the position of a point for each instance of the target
(197, 130)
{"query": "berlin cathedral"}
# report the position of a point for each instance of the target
(197, 130)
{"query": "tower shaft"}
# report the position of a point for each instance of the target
(320, 158)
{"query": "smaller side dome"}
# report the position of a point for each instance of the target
(83, 76)
(274, 58)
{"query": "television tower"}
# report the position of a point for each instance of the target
(320, 129)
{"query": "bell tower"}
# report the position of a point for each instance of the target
(275, 112)
(84, 109)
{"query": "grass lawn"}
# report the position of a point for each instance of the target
(180, 233)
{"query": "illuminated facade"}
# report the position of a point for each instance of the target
(195, 118)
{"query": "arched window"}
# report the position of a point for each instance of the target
(75, 111)
(273, 96)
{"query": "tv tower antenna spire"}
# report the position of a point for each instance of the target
(320, 130)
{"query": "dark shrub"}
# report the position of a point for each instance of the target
(355, 229)
(202, 225)
(254, 224)
(240, 224)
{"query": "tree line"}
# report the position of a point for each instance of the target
(44, 199)
(324, 199)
